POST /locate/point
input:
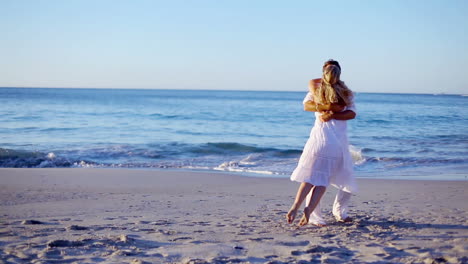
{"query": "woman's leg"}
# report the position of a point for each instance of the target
(317, 194)
(302, 192)
(316, 218)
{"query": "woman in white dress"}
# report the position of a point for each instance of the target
(325, 159)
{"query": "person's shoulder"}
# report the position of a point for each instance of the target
(314, 84)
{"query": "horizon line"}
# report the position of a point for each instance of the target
(197, 89)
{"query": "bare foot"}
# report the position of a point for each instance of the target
(346, 220)
(291, 215)
(317, 223)
(305, 217)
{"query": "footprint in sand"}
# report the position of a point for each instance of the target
(341, 252)
(50, 253)
(373, 245)
(328, 236)
(395, 252)
(447, 247)
(161, 222)
(77, 228)
(294, 243)
(180, 238)
(261, 238)
(197, 261)
(64, 243)
(202, 223)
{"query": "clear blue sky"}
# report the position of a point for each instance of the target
(383, 46)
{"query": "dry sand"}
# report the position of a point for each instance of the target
(141, 216)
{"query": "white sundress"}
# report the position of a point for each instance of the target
(326, 159)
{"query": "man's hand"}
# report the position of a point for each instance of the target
(326, 116)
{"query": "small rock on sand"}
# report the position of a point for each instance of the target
(124, 238)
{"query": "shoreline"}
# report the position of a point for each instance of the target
(159, 216)
(359, 176)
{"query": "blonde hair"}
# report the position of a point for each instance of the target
(332, 90)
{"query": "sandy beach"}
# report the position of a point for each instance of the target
(147, 216)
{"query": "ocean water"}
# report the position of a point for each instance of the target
(257, 133)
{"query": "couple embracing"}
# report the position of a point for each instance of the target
(326, 159)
